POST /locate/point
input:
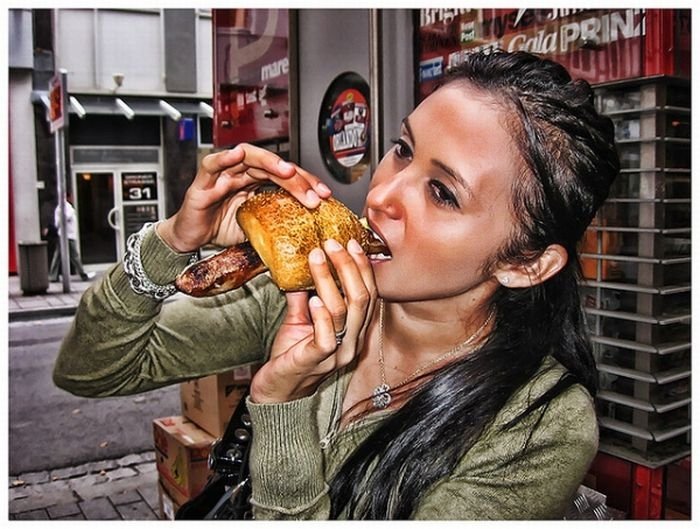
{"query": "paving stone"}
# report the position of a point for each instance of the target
(51, 302)
(66, 299)
(61, 511)
(136, 511)
(121, 473)
(34, 477)
(87, 491)
(136, 459)
(150, 494)
(43, 496)
(106, 464)
(126, 496)
(39, 514)
(87, 481)
(31, 303)
(17, 493)
(98, 509)
(78, 516)
(146, 468)
(70, 472)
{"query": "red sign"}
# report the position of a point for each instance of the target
(597, 45)
(56, 110)
(349, 135)
(251, 75)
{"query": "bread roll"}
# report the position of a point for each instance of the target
(281, 233)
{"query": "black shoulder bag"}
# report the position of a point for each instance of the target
(226, 496)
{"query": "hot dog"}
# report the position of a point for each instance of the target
(281, 233)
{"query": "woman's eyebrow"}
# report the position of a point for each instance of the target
(406, 125)
(449, 171)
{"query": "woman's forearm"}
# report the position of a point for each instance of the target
(121, 342)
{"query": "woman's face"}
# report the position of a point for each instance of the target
(441, 198)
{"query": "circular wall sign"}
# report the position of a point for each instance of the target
(344, 126)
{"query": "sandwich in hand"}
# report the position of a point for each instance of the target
(281, 232)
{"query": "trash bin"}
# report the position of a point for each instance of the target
(33, 267)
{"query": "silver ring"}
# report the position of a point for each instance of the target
(340, 335)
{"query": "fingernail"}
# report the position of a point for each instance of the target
(316, 256)
(333, 246)
(315, 301)
(354, 247)
(312, 198)
(323, 188)
(285, 166)
(236, 149)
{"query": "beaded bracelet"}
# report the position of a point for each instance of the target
(139, 281)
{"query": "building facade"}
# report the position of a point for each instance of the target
(139, 114)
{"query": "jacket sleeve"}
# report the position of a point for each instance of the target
(501, 478)
(286, 462)
(122, 343)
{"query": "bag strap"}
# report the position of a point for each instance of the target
(229, 455)
(226, 494)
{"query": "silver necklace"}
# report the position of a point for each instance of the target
(381, 395)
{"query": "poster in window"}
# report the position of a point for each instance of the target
(251, 75)
(344, 127)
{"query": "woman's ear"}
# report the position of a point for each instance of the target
(553, 259)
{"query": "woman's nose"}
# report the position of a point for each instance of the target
(384, 196)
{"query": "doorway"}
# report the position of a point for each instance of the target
(95, 196)
(112, 202)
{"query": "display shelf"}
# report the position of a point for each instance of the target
(659, 348)
(636, 258)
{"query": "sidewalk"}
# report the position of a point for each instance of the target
(52, 304)
(120, 489)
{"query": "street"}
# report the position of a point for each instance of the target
(50, 428)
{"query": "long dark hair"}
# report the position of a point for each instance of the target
(570, 161)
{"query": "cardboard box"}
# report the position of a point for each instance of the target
(182, 450)
(210, 401)
(167, 504)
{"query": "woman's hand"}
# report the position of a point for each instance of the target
(223, 182)
(305, 350)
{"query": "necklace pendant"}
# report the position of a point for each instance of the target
(381, 397)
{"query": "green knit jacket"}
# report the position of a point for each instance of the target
(122, 343)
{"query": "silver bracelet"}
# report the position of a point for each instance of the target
(139, 281)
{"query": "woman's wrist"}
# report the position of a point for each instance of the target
(139, 265)
(166, 231)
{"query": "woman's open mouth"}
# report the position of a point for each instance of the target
(379, 250)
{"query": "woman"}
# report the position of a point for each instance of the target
(452, 381)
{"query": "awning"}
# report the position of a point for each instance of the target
(129, 107)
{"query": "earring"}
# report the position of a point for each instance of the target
(505, 280)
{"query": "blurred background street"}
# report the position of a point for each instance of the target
(50, 428)
(72, 457)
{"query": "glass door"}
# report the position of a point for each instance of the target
(140, 197)
(95, 201)
(112, 203)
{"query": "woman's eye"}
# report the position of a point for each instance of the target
(401, 149)
(442, 195)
